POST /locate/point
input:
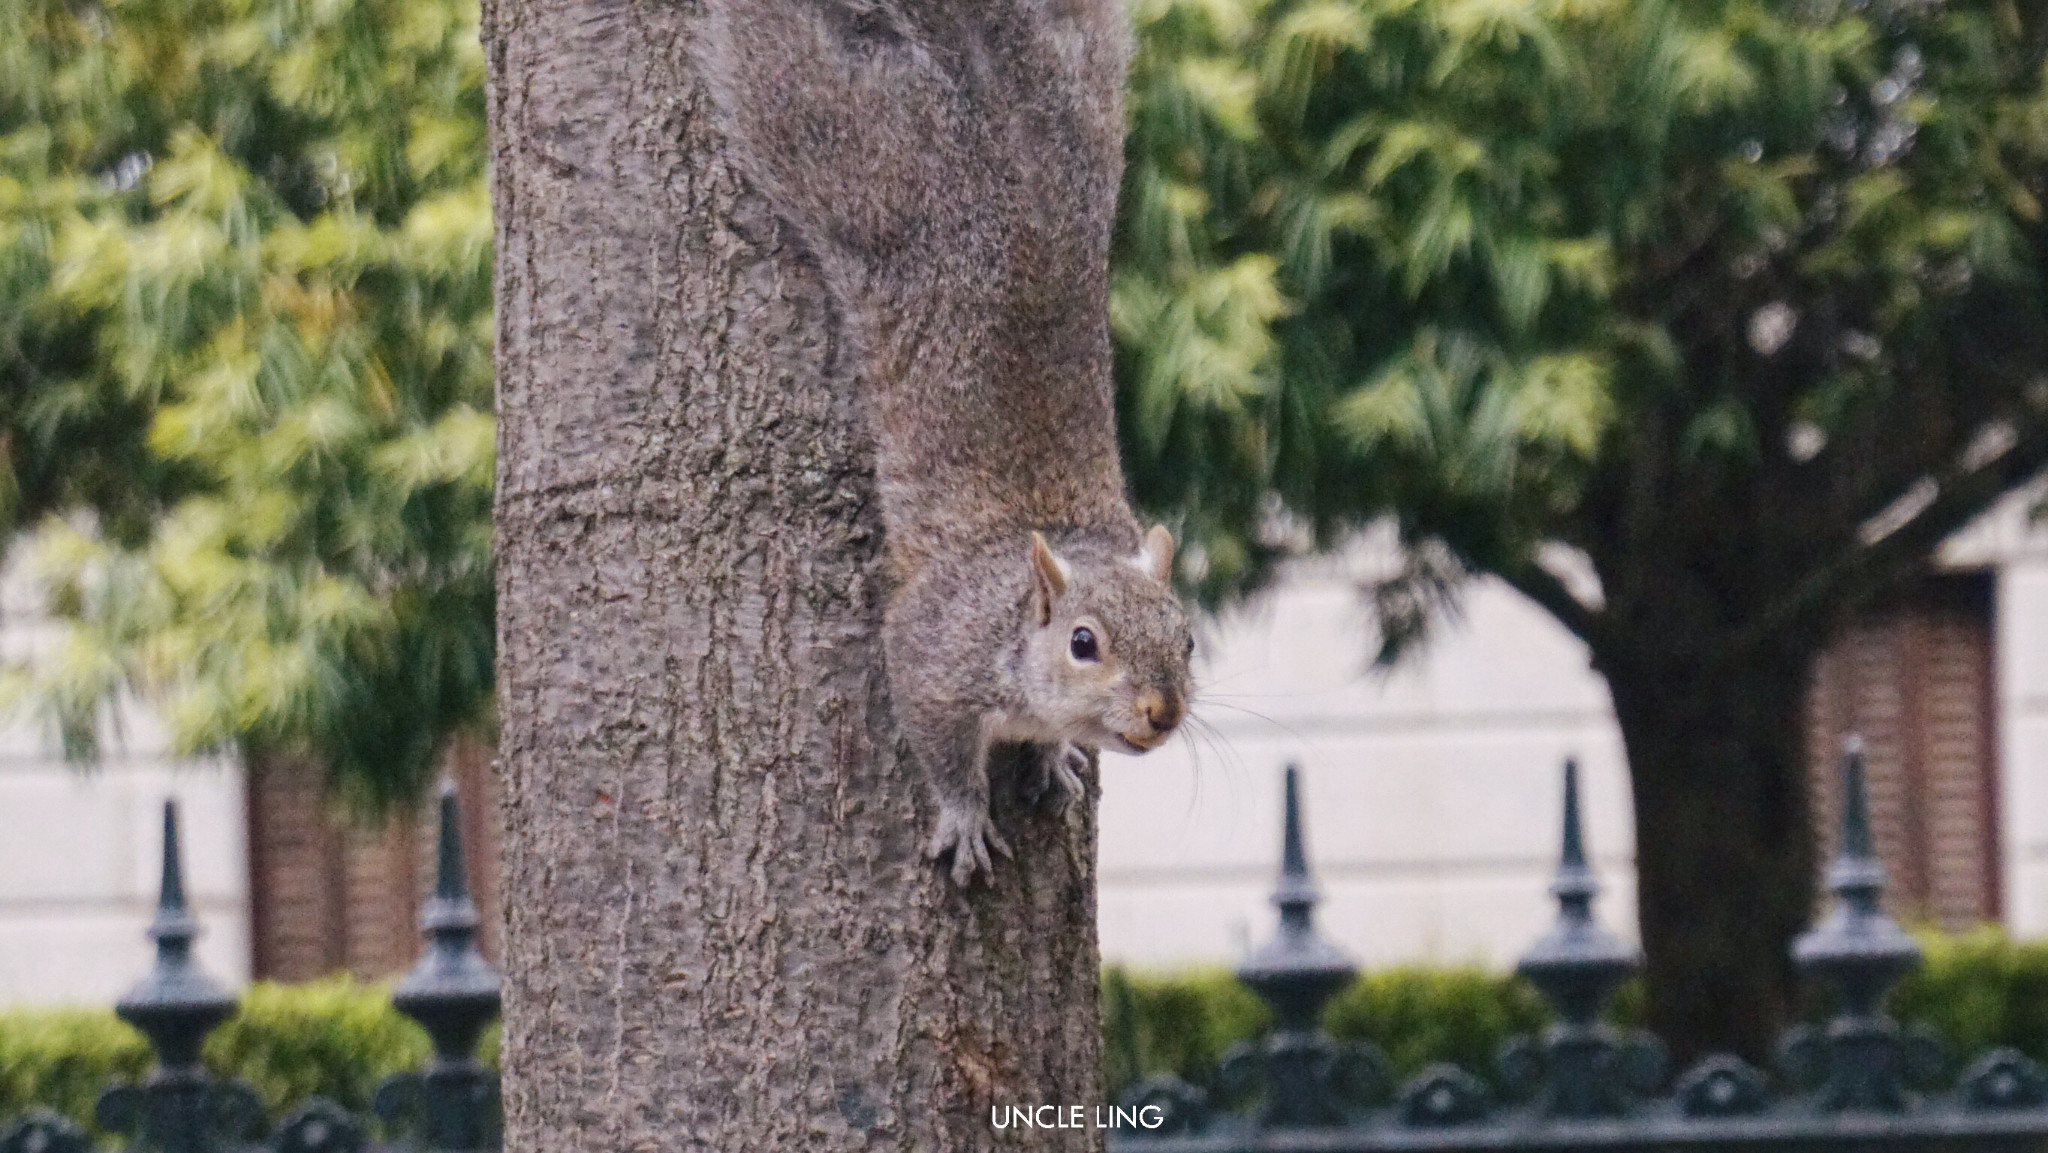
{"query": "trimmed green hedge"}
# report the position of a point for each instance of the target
(335, 1039)
(338, 1038)
(62, 1058)
(1419, 1016)
(1422, 1016)
(1977, 991)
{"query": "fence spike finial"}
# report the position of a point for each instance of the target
(1296, 892)
(1574, 851)
(1859, 952)
(1576, 967)
(450, 884)
(177, 1004)
(1855, 803)
(179, 1106)
(453, 992)
(1578, 943)
(1575, 886)
(171, 895)
(173, 928)
(1296, 973)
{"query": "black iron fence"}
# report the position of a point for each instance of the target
(1859, 1082)
(451, 1104)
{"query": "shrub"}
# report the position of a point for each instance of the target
(62, 1058)
(1179, 1024)
(1978, 991)
(335, 1038)
(339, 1038)
(1422, 1016)
(1183, 1023)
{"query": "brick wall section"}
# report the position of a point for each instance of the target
(1915, 677)
(330, 894)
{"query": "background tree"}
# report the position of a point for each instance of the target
(1735, 304)
(244, 350)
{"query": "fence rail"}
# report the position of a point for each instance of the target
(1860, 1082)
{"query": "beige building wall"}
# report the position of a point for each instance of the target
(1432, 794)
(2023, 704)
(2016, 542)
(80, 851)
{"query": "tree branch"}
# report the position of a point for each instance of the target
(1961, 494)
(2033, 19)
(1542, 586)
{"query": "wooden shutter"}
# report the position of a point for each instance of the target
(330, 895)
(1914, 676)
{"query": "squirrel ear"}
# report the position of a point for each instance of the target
(1048, 576)
(1155, 556)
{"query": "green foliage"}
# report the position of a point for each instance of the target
(1979, 991)
(1422, 1016)
(62, 1058)
(245, 330)
(335, 1038)
(1698, 322)
(1181, 1023)
(1642, 278)
(1184, 1023)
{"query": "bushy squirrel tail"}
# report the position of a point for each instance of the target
(952, 167)
(840, 114)
(887, 128)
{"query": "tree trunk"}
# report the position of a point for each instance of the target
(720, 932)
(1724, 843)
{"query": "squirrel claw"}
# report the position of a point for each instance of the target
(1055, 781)
(968, 834)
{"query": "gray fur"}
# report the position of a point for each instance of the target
(953, 166)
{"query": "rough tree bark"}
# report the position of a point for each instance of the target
(720, 931)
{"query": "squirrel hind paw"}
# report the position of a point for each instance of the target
(968, 835)
(1053, 778)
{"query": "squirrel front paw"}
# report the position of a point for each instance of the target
(968, 834)
(1052, 775)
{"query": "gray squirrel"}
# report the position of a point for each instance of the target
(952, 166)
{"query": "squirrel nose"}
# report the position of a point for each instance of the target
(1163, 710)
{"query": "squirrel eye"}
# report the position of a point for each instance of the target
(1191, 646)
(1082, 645)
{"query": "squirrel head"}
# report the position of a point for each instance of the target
(1106, 661)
